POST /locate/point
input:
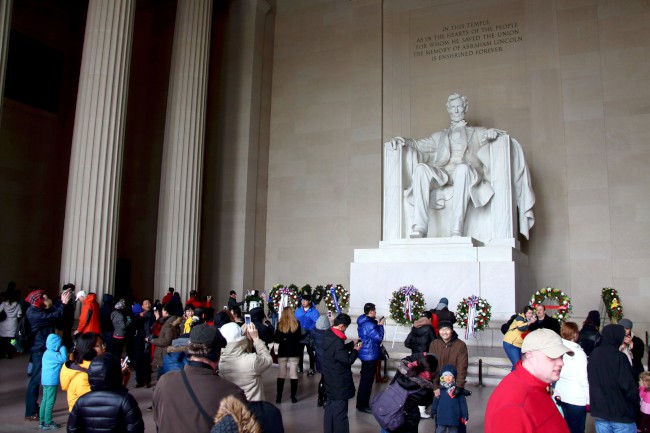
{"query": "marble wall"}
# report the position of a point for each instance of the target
(570, 80)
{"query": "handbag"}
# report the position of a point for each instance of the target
(384, 353)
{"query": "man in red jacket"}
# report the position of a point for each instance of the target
(89, 317)
(522, 403)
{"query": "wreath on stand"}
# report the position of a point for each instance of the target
(406, 305)
(562, 309)
(336, 298)
(316, 294)
(275, 296)
(474, 314)
(254, 296)
(612, 303)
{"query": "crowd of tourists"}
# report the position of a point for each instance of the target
(583, 370)
(219, 359)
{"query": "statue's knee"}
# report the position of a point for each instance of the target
(421, 170)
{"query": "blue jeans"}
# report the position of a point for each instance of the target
(33, 386)
(604, 426)
(513, 353)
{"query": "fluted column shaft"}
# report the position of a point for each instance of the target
(177, 248)
(5, 30)
(91, 216)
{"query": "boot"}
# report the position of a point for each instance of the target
(294, 389)
(321, 393)
(280, 387)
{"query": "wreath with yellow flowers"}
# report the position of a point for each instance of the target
(612, 304)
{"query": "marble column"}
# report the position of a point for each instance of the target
(5, 30)
(179, 210)
(91, 215)
(243, 138)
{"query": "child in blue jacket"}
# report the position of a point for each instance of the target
(451, 406)
(54, 357)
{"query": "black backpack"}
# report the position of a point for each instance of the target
(24, 334)
(506, 326)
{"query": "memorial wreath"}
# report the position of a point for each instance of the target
(612, 304)
(336, 298)
(562, 309)
(474, 314)
(406, 305)
(316, 293)
(277, 294)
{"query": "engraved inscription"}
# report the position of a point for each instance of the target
(471, 38)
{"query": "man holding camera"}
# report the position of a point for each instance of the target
(371, 333)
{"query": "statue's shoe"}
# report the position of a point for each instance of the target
(417, 234)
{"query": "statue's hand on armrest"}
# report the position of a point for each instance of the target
(492, 134)
(395, 143)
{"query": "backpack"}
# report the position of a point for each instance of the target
(506, 326)
(24, 334)
(388, 406)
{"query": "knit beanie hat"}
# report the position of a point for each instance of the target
(445, 324)
(35, 298)
(120, 304)
(323, 323)
(231, 332)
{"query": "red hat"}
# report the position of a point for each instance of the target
(35, 298)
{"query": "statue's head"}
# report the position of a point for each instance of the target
(457, 106)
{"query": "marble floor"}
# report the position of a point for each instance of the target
(301, 416)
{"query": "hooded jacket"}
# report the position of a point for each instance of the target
(453, 352)
(613, 392)
(41, 322)
(9, 325)
(74, 380)
(89, 317)
(54, 357)
(322, 326)
(372, 334)
(307, 318)
(168, 332)
(245, 369)
(108, 408)
(421, 394)
(450, 409)
(338, 358)
(421, 336)
(265, 330)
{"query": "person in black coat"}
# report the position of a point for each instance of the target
(613, 388)
(264, 327)
(41, 322)
(338, 358)
(544, 321)
(589, 336)
(421, 335)
(108, 407)
(415, 374)
(443, 313)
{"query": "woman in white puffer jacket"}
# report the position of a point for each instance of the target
(11, 307)
(573, 386)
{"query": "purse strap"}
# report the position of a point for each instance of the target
(194, 399)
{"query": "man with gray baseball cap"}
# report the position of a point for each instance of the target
(522, 401)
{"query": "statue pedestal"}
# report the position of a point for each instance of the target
(453, 268)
